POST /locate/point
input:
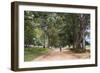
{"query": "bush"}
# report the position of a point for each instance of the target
(78, 50)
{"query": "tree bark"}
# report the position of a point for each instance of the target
(80, 34)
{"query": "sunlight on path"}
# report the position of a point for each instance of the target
(55, 54)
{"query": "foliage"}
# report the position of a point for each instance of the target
(51, 29)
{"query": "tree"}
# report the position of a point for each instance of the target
(52, 29)
(29, 34)
(83, 24)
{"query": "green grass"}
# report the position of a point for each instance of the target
(32, 53)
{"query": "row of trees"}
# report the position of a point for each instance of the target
(50, 29)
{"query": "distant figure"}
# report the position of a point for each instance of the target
(60, 49)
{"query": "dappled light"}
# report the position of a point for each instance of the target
(56, 36)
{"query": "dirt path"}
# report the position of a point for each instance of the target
(55, 54)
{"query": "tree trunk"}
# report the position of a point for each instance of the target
(83, 42)
(80, 34)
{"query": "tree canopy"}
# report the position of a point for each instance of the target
(51, 29)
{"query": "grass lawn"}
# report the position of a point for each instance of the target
(32, 53)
